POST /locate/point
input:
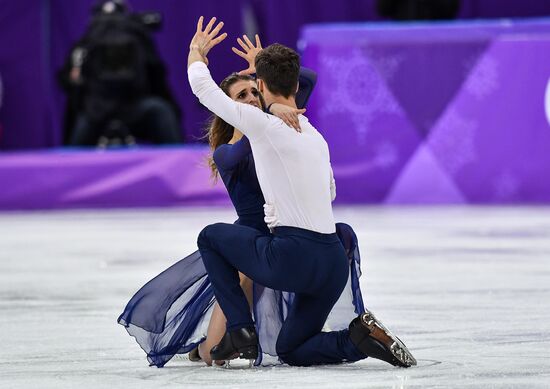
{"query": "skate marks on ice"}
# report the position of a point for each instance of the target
(354, 375)
(466, 289)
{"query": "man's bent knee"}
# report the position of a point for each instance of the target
(285, 352)
(204, 236)
(208, 233)
(290, 358)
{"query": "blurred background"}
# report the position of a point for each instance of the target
(104, 180)
(421, 101)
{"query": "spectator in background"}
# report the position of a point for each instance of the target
(418, 9)
(116, 82)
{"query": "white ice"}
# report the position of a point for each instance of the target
(466, 288)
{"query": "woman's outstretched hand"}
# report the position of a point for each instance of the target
(204, 40)
(288, 115)
(249, 53)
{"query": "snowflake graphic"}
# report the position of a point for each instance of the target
(484, 79)
(356, 90)
(387, 65)
(386, 155)
(453, 141)
(506, 186)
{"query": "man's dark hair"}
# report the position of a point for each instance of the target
(279, 67)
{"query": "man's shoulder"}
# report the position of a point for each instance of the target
(311, 129)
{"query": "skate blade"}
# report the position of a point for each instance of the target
(238, 364)
(402, 353)
(396, 346)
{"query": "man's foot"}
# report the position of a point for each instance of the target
(194, 355)
(241, 343)
(376, 341)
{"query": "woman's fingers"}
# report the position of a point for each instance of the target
(243, 45)
(246, 72)
(296, 122)
(290, 116)
(239, 52)
(292, 120)
(258, 43)
(248, 42)
(287, 120)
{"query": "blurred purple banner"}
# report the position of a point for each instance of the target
(108, 179)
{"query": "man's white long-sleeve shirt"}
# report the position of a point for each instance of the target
(293, 168)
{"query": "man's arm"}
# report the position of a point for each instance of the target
(332, 185)
(250, 120)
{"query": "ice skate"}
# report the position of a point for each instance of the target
(194, 355)
(241, 343)
(375, 340)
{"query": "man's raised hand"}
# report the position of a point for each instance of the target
(204, 40)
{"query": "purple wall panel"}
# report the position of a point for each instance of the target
(455, 112)
(179, 22)
(369, 134)
(35, 36)
(494, 139)
(26, 114)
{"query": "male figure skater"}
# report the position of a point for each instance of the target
(304, 254)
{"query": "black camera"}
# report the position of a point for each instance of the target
(116, 81)
(153, 20)
(117, 41)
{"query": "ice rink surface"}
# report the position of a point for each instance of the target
(467, 289)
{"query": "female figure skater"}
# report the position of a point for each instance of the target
(170, 313)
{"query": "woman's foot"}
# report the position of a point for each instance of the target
(194, 355)
(204, 355)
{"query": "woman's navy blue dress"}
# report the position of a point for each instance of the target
(170, 314)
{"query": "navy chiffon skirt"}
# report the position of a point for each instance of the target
(169, 315)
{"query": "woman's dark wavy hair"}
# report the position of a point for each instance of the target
(219, 132)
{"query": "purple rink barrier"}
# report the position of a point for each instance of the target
(104, 179)
(428, 114)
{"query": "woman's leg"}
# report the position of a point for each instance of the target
(216, 327)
